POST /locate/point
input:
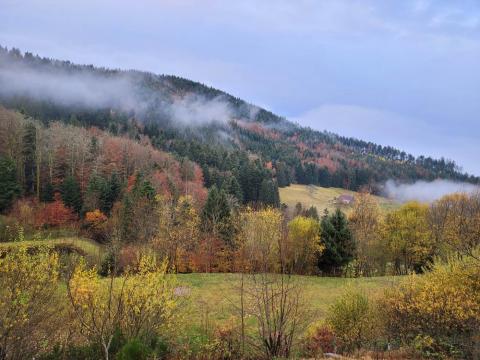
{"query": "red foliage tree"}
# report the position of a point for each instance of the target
(55, 214)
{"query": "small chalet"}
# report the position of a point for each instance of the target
(345, 199)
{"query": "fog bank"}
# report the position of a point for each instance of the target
(425, 191)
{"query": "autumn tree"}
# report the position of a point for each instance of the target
(304, 246)
(262, 239)
(139, 303)
(178, 230)
(55, 213)
(455, 222)
(29, 303)
(365, 224)
(267, 293)
(408, 238)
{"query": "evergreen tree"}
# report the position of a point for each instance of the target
(29, 157)
(312, 213)
(71, 194)
(216, 215)
(47, 193)
(96, 188)
(232, 187)
(268, 194)
(127, 231)
(338, 241)
(9, 187)
(112, 193)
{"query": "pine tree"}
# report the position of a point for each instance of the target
(29, 158)
(95, 193)
(338, 241)
(268, 193)
(47, 193)
(112, 193)
(232, 187)
(9, 187)
(71, 195)
(216, 216)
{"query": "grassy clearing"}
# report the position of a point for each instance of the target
(212, 294)
(322, 198)
(83, 246)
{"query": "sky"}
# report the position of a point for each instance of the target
(400, 73)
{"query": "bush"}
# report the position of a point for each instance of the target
(439, 312)
(318, 341)
(133, 350)
(354, 321)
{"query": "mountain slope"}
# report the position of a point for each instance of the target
(228, 137)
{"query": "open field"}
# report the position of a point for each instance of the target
(322, 198)
(212, 295)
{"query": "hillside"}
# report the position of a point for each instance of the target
(323, 198)
(226, 136)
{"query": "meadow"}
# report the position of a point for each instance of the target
(213, 296)
(323, 198)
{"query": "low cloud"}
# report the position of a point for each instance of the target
(196, 110)
(425, 191)
(87, 88)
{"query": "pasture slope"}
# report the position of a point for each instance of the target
(322, 198)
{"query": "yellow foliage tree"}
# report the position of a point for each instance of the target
(365, 222)
(304, 245)
(137, 303)
(262, 240)
(455, 222)
(442, 306)
(408, 238)
(28, 300)
(178, 231)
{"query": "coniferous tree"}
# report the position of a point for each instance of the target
(9, 187)
(94, 195)
(268, 193)
(47, 193)
(338, 241)
(232, 187)
(29, 158)
(112, 193)
(71, 194)
(216, 216)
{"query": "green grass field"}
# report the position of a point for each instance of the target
(86, 247)
(213, 296)
(322, 198)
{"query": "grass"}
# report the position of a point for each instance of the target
(322, 198)
(85, 247)
(213, 295)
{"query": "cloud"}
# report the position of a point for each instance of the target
(424, 191)
(79, 89)
(85, 88)
(195, 110)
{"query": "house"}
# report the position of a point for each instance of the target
(345, 199)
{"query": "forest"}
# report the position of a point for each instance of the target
(151, 201)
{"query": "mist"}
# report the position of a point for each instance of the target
(90, 89)
(425, 191)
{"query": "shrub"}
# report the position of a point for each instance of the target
(353, 319)
(319, 340)
(133, 350)
(438, 312)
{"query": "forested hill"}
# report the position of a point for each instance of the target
(240, 147)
